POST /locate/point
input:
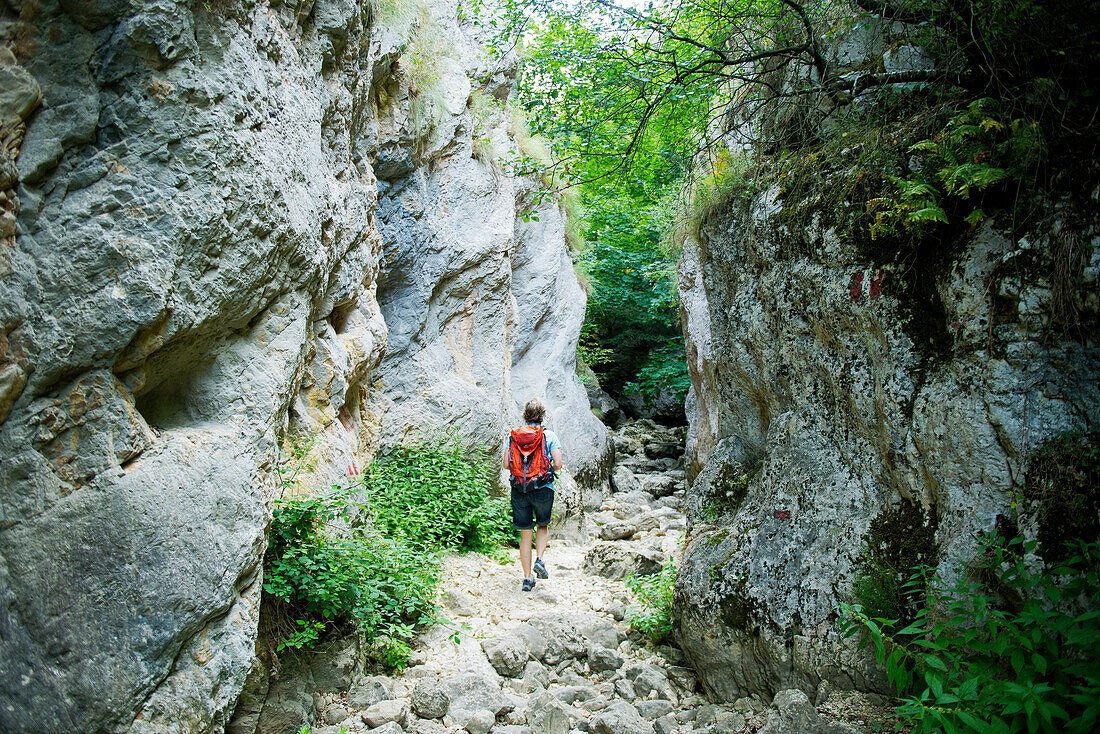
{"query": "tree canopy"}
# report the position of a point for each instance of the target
(629, 95)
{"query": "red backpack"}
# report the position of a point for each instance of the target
(528, 459)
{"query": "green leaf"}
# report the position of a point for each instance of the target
(934, 662)
(927, 214)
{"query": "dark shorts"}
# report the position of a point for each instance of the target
(532, 508)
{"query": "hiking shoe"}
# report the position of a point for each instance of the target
(528, 584)
(540, 569)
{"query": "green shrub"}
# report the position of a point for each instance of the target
(368, 555)
(1062, 492)
(664, 371)
(900, 541)
(434, 493)
(652, 616)
(1015, 652)
(323, 571)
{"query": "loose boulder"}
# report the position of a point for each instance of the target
(619, 718)
(616, 560)
(507, 653)
(430, 698)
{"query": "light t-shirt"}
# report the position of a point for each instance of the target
(551, 439)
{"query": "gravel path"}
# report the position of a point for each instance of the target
(561, 659)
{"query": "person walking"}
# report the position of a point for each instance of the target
(534, 458)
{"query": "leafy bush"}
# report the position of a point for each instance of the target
(430, 494)
(653, 614)
(664, 370)
(330, 561)
(1014, 653)
(900, 541)
(324, 571)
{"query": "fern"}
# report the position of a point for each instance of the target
(959, 180)
(927, 214)
(976, 150)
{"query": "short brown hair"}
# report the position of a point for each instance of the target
(534, 411)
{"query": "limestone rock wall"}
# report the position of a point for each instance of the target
(828, 391)
(194, 280)
(476, 284)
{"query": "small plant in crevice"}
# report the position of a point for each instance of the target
(900, 541)
(1011, 648)
(1062, 491)
(652, 615)
(728, 490)
(298, 460)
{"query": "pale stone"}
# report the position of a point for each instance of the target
(386, 711)
(198, 277)
(619, 718)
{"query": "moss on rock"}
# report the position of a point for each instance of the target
(1062, 489)
(728, 490)
(900, 541)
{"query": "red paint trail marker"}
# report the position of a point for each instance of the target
(855, 286)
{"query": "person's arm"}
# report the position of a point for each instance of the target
(555, 455)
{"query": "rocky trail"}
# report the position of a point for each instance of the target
(562, 659)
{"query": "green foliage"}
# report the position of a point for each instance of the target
(394, 653)
(582, 94)
(664, 370)
(632, 308)
(1016, 653)
(899, 541)
(589, 350)
(652, 616)
(434, 493)
(1062, 490)
(332, 562)
(325, 570)
(631, 96)
(974, 151)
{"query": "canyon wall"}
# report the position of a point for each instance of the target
(847, 401)
(228, 226)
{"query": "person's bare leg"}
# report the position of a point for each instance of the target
(542, 537)
(525, 551)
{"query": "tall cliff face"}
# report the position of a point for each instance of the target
(191, 280)
(843, 401)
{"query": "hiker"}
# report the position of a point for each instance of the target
(534, 457)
